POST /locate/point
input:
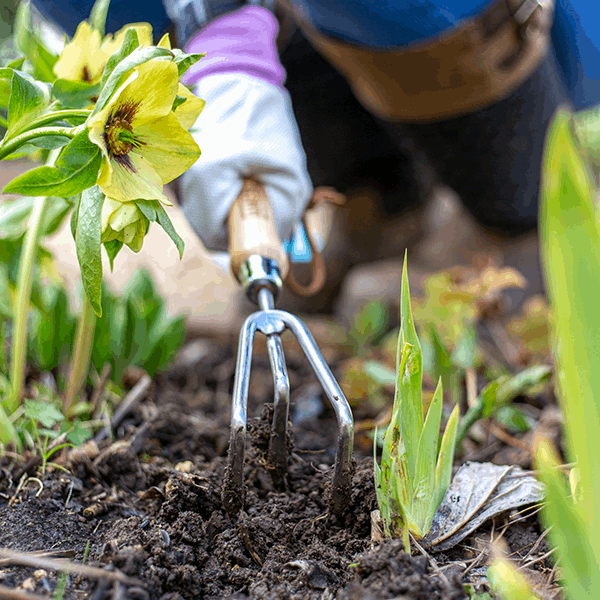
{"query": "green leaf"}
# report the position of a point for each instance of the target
(513, 419)
(76, 170)
(136, 58)
(166, 346)
(41, 412)
(56, 211)
(97, 18)
(75, 94)
(185, 61)
(179, 100)
(569, 532)
(410, 378)
(5, 86)
(87, 240)
(28, 100)
(443, 472)
(148, 208)
(130, 43)
(75, 216)
(165, 223)
(522, 382)
(16, 64)
(31, 45)
(369, 323)
(50, 142)
(571, 259)
(112, 249)
(425, 478)
(489, 397)
(79, 433)
(14, 216)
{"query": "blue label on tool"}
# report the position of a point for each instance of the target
(297, 246)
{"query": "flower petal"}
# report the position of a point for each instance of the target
(153, 92)
(109, 207)
(128, 214)
(167, 146)
(112, 43)
(132, 178)
(82, 58)
(165, 42)
(188, 112)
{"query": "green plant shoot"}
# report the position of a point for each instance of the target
(571, 259)
(570, 234)
(415, 469)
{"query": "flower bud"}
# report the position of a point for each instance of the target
(125, 222)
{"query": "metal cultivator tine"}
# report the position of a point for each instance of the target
(272, 323)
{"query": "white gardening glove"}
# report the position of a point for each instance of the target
(247, 129)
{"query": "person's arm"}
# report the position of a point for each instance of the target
(247, 128)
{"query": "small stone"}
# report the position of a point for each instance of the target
(40, 574)
(29, 584)
(185, 467)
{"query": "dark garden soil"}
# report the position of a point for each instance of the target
(148, 505)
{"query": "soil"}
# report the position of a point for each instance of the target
(147, 503)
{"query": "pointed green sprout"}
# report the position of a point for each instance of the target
(570, 233)
(414, 474)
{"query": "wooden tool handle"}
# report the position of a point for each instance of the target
(252, 229)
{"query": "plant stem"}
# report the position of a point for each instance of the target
(82, 353)
(59, 115)
(20, 140)
(24, 284)
(3, 122)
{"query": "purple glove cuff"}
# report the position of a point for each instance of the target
(240, 42)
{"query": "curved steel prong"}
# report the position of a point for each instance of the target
(277, 455)
(233, 492)
(342, 475)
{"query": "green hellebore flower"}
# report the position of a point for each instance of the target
(123, 221)
(143, 142)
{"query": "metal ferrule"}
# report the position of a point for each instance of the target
(259, 272)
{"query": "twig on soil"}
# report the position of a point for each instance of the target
(43, 554)
(537, 543)
(128, 403)
(25, 559)
(471, 380)
(474, 563)
(247, 541)
(431, 560)
(106, 369)
(534, 561)
(20, 485)
(7, 593)
(505, 437)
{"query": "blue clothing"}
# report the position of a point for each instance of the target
(395, 23)
(69, 13)
(392, 23)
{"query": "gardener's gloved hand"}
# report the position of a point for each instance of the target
(247, 128)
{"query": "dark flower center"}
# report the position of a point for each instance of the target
(118, 133)
(119, 137)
